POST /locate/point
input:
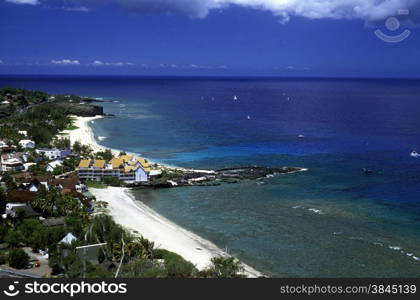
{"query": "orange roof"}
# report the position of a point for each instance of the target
(85, 163)
(116, 163)
(126, 158)
(143, 162)
(128, 169)
(99, 164)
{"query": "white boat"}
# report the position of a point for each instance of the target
(301, 136)
(415, 154)
(249, 117)
(235, 98)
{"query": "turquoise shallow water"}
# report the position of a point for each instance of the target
(332, 221)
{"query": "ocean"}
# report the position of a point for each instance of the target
(331, 221)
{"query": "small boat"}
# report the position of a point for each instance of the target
(301, 136)
(414, 154)
(249, 117)
(235, 98)
(367, 171)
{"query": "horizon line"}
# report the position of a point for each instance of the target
(206, 76)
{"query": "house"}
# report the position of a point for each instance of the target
(54, 153)
(3, 144)
(27, 191)
(126, 168)
(20, 199)
(68, 239)
(11, 162)
(26, 166)
(36, 184)
(54, 164)
(27, 144)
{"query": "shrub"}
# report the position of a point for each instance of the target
(175, 265)
(18, 258)
(14, 238)
(3, 258)
(112, 181)
(224, 267)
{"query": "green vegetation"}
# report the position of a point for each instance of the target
(225, 267)
(122, 254)
(168, 174)
(106, 155)
(18, 258)
(43, 116)
(95, 185)
(112, 181)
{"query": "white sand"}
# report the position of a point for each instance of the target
(138, 217)
(85, 135)
(165, 234)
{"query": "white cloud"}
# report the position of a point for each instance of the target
(77, 8)
(312, 9)
(99, 63)
(65, 62)
(31, 2)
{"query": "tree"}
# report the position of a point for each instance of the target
(224, 267)
(14, 237)
(77, 147)
(105, 155)
(112, 181)
(9, 180)
(18, 258)
(62, 143)
(3, 199)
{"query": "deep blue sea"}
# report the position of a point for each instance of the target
(332, 221)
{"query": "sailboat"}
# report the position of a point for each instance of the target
(414, 154)
(235, 98)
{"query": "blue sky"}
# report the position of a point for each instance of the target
(327, 38)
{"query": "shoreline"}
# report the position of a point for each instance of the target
(134, 215)
(85, 135)
(141, 219)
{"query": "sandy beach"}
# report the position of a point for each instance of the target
(165, 234)
(84, 134)
(143, 220)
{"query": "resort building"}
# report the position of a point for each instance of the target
(54, 153)
(126, 168)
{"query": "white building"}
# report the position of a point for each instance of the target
(54, 164)
(11, 208)
(26, 166)
(54, 153)
(27, 144)
(3, 144)
(126, 168)
(11, 164)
